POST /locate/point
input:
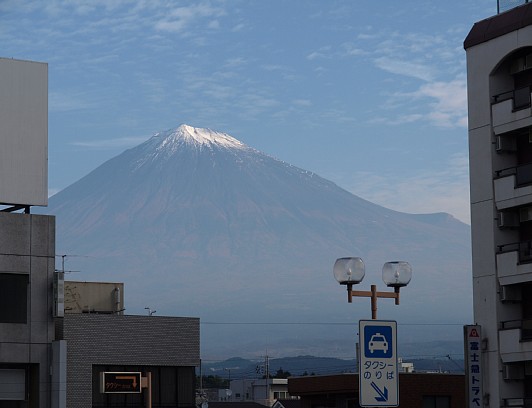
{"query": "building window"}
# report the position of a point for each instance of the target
(436, 401)
(13, 298)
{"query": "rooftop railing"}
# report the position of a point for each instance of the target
(505, 5)
(525, 326)
(523, 174)
(520, 97)
(524, 248)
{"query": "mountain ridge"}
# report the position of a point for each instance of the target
(202, 231)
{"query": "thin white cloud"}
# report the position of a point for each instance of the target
(64, 102)
(238, 27)
(121, 142)
(181, 18)
(445, 102)
(351, 50)
(235, 62)
(406, 68)
(302, 102)
(399, 120)
(434, 60)
(323, 52)
(430, 192)
(449, 101)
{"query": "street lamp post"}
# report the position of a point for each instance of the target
(351, 271)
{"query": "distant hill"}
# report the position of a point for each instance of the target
(198, 224)
(238, 368)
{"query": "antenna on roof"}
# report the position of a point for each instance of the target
(150, 312)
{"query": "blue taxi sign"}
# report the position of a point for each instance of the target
(378, 369)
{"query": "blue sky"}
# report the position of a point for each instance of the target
(368, 94)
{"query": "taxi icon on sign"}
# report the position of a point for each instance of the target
(378, 342)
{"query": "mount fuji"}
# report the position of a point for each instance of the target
(196, 223)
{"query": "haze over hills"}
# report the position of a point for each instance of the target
(196, 223)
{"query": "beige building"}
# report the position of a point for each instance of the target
(499, 79)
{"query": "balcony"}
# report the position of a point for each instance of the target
(514, 263)
(511, 110)
(516, 403)
(513, 186)
(515, 340)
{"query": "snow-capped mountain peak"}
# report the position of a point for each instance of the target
(164, 145)
(200, 137)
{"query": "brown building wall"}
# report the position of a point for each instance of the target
(342, 390)
(103, 340)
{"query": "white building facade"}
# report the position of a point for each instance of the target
(499, 77)
(262, 391)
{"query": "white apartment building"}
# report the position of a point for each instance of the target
(499, 81)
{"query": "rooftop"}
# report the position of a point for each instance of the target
(499, 25)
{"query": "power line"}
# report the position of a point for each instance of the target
(321, 324)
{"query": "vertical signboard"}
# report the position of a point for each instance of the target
(59, 294)
(23, 132)
(378, 368)
(472, 354)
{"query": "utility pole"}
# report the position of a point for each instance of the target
(267, 365)
(265, 370)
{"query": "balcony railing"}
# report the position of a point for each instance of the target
(505, 5)
(523, 174)
(520, 97)
(516, 403)
(524, 325)
(523, 248)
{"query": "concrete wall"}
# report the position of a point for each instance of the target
(94, 339)
(27, 246)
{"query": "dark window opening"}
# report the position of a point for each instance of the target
(436, 401)
(13, 298)
(522, 98)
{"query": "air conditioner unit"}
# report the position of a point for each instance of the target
(508, 220)
(505, 144)
(513, 372)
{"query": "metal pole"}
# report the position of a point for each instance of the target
(200, 377)
(148, 403)
(396, 291)
(267, 380)
(374, 302)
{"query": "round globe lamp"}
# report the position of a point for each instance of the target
(396, 274)
(349, 271)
